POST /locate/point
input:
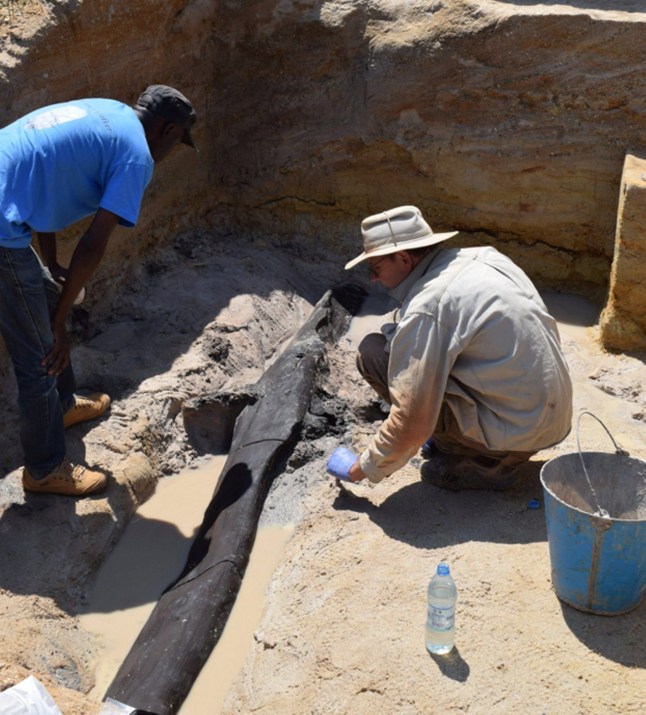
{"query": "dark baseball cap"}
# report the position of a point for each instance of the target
(166, 102)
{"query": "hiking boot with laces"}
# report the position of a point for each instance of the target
(86, 407)
(71, 479)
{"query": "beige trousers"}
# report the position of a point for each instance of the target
(489, 468)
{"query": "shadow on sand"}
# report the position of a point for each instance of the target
(424, 517)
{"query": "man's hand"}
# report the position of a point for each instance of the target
(47, 245)
(356, 473)
(59, 274)
(58, 357)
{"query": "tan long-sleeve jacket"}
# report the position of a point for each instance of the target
(474, 332)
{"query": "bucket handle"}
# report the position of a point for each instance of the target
(618, 450)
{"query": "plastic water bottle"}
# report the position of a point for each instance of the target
(440, 620)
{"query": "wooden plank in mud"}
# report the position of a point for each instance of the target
(190, 616)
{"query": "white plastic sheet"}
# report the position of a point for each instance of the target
(29, 697)
(114, 707)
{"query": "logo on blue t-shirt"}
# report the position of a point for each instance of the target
(54, 117)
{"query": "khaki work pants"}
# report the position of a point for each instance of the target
(469, 464)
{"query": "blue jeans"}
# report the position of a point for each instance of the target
(28, 297)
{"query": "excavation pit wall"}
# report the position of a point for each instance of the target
(473, 111)
(510, 123)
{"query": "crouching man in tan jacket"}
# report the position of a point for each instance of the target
(473, 369)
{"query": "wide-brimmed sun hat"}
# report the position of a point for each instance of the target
(400, 229)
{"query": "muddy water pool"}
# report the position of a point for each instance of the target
(149, 555)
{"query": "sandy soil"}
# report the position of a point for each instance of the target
(186, 326)
(344, 622)
(344, 625)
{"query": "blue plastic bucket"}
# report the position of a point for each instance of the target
(598, 562)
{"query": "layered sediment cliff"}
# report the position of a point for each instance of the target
(510, 122)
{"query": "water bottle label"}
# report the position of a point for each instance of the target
(441, 619)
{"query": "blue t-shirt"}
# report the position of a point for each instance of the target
(63, 162)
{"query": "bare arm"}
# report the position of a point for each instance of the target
(85, 260)
(47, 245)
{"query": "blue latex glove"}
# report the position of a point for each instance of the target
(338, 465)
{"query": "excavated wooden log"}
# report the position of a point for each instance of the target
(190, 616)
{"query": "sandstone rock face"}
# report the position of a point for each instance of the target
(623, 322)
(509, 122)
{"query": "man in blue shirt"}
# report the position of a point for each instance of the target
(58, 165)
